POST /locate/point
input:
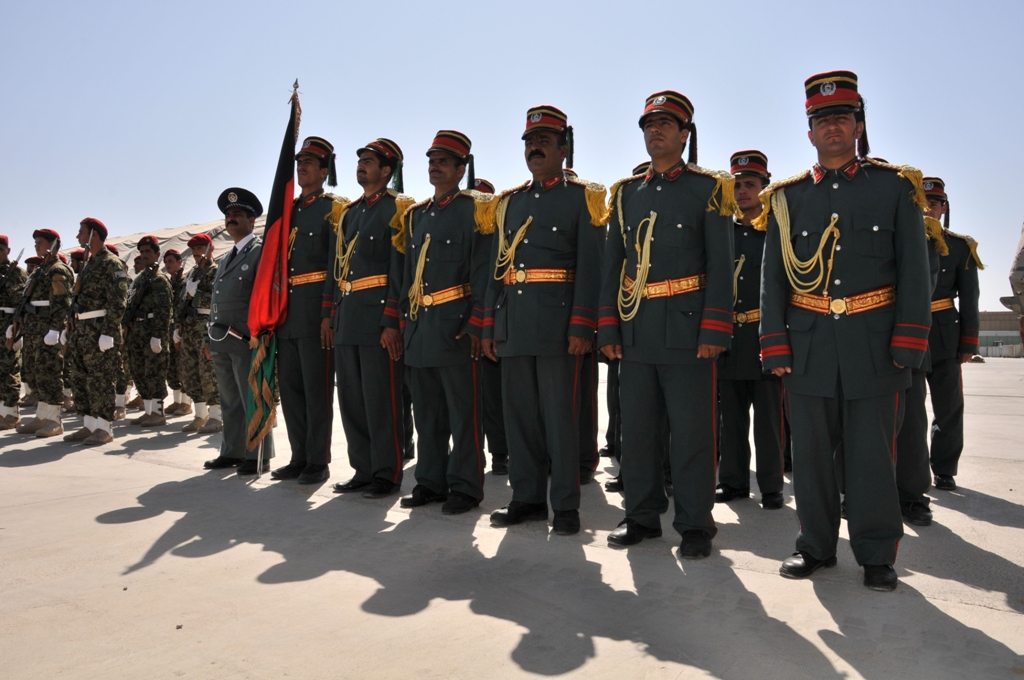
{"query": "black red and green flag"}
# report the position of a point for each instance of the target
(268, 307)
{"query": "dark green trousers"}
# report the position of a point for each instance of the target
(913, 474)
(447, 406)
(539, 397)
(372, 412)
(686, 394)
(947, 388)
(865, 429)
(735, 398)
(587, 412)
(494, 417)
(305, 375)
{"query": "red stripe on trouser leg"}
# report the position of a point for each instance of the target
(575, 414)
(476, 434)
(895, 422)
(329, 386)
(714, 432)
(593, 406)
(782, 425)
(394, 423)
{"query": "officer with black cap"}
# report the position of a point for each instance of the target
(228, 332)
(843, 238)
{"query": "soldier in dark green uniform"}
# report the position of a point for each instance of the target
(197, 374)
(228, 334)
(304, 357)
(364, 283)
(42, 324)
(181, 404)
(447, 250)
(953, 340)
(666, 314)
(742, 383)
(12, 286)
(100, 294)
(490, 389)
(843, 238)
(540, 318)
(147, 328)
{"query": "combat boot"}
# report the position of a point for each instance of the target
(183, 409)
(69, 404)
(10, 422)
(172, 410)
(211, 426)
(136, 403)
(119, 413)
(194, 426)
(32, 425)
(51, 423)
(98, 437)
(154, 414)
(78, 436)
(141, 420)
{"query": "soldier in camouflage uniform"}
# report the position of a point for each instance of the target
(76, 262)
(176, 274)
(121, 366)
(147, 333)
(42, 323)
(12, 286)
(197, 374)
(99, 303)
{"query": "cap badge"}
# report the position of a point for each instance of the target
(244, 267)
(535, 118)
(743, 160)
(658, 101)
(305, 144)
(828, 89)
(928, 186)
(232, 197)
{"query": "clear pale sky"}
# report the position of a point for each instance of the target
(140, 114)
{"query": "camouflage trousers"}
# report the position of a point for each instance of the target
(149, 370)
(93, 372)
(46, 362)
(123, 369)
(198, 379)
(173, 379)
(10, 375)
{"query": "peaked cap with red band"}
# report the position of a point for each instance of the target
(453, 142)
(318, 147)
(483, 186)
(749, 162)
(96, 226)
(832, 92)
(545, 117)
(48, 234)
(385, 147)
(670, 102)
(934, 187)
(200, 241)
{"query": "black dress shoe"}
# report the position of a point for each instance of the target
(631, 532)
(917, 514)
(726, 493)
(249, 467)
(772, 501)
(459, 503)
(499, 465)
(586, 476)
(420, 495)
(945, 482)
(842, 508)
(379, 488)
(289, 471)
(880, 577)
(802, 565)
(566, 522)
(517, 511)
(614, 485)
(351, 485)
(315, 474)
(787, 465)
(222, 462)
(605, 452)
(696, 544)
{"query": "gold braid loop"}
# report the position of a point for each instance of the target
(341, 262)
(506, 251)
(630, 294)
(795, 269)
(416, 289)
(736, 279)
(291, 240)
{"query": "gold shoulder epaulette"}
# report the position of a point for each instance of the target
(402, 203)
(501, 203)
(334, 197)
(485, 208)
(761, 222)
(338, 209)
(908, 172)
(596, 199)
(971, 243)
(724, 182)
(933, 229)
(615, 197)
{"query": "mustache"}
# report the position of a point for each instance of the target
(536, 152)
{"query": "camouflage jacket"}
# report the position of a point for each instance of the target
(177, 282)
(149, 307)
(12, 286)
(51, 298)
(103, 285)
(188, 308)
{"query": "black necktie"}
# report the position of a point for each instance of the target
(231, 256)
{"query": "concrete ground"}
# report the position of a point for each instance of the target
(130, 561)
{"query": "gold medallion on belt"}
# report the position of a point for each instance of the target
(838, 306)
(520, 276)
(427, 300)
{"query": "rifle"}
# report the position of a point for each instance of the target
(133, 308)
(186, 310)
(30, 288)
(78, 284)
(14, 265)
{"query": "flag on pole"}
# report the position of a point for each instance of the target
(268, 307)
